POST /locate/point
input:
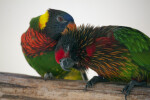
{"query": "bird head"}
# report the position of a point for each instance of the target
(53, 23)
(65, 53)
(74, 48)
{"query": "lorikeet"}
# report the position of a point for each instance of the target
(116, 53)
(39, 41)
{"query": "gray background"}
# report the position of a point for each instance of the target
(15, 16)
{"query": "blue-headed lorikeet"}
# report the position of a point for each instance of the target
(39, 41)
(116, 53)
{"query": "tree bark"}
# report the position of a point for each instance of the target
(24, 87)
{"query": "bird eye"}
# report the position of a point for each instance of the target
(60, 19)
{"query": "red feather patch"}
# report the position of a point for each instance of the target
(60, 54)
(35, 43)
(90, 49)
(103, 41)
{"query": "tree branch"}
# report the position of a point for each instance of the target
(24, 87)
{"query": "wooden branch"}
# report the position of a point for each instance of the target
(24, 87)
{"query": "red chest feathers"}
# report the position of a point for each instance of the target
(35, 43)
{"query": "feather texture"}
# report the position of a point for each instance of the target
(114, 52)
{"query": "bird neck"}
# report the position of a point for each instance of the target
(35, 43)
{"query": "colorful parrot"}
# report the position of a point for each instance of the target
(116, 53)
(39, 41)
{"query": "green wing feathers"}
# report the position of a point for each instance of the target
(133, 39)
(137, 43)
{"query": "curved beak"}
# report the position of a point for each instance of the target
(66, 63)
(70, 26)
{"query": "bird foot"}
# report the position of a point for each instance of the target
(93, 81)
(127, 89)
(48, 76)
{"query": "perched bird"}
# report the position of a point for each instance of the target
(116, 53)
(39, 41)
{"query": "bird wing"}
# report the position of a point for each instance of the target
(136, 42)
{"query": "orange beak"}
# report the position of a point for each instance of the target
(70, 26)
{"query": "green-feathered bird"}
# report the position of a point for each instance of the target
(116, 53)
(39, 41)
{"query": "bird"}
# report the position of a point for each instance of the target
(116, 53)
(40, 39)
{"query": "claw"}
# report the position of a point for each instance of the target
(48, 76)
(89, 84)
(93, 81)
(127, 89)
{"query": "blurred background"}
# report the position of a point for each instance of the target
(15, 16)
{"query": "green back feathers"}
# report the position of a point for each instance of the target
(39, 22)
(34, 23)
(137, 43)
(133, 39)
